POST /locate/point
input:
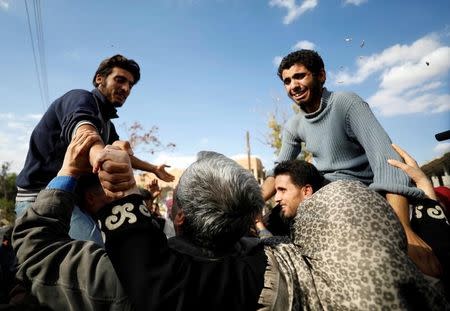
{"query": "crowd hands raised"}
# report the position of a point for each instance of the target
(330, 242)
(214, 263)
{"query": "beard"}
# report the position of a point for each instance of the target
(315, 91)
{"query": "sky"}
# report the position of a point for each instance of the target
(209, 67)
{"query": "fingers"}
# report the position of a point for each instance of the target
(124, 145)
(405, 156)
(398, 164)
(425, 260)
(422, 255)
(117, 186)
(113, 195)
(113, 154)
(86, 140)
(76, 158)
(116, 173)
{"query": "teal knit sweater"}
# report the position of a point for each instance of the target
(347, 142)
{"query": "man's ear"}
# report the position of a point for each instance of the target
(307, 191)
(99, 79)
(322, 76)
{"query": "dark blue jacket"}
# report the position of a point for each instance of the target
(52, 135)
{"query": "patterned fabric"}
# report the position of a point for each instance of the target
(350, 253)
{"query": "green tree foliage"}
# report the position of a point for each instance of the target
(7, 192)
(275, 123)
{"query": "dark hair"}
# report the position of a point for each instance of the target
(301, 173)
(8, 233)
(146, 195)
(308, 58)
(106, 67)
(86, 183)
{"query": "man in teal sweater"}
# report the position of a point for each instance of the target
(347, 142)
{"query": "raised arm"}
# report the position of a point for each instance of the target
(396, 183)
(138, 164)
(63, 273)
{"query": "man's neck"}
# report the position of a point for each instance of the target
(315, 103)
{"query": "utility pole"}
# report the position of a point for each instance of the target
(248, 152)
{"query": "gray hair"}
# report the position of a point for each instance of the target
(220, 200)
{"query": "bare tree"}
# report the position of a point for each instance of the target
(145, 140)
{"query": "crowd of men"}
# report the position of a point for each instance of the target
(86, 239)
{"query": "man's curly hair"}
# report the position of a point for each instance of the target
(308, 58)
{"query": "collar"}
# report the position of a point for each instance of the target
(244, 246)
(323, 104)
(107, 109)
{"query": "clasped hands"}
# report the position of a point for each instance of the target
(111, 163)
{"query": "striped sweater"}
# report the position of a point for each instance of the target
(347, 142)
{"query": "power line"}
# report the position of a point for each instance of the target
(38, 49)
(41, 45)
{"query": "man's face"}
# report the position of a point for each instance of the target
(303, 87)
(116, 86)
(288, 195)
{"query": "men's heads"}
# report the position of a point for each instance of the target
(219, 200)
(295, 181)
(90, 194)
(303, 75)
(115, 77)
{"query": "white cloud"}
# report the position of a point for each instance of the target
(15, 133)
(412, 78)
(4, 5)
(396, 55)
(175, 161)
(294, 10)
(355, 2)
(304, 44)
(6, 116)
(36, 116)
(277, 60)
(442, 148)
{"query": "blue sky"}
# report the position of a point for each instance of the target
(209, 66)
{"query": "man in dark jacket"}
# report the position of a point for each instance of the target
(75, 111)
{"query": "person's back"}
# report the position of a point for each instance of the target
(209, 265)
(201, 280)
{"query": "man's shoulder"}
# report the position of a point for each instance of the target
(345, 101)
(346, 97)
(295, 118)
(74, 97)
(78, 93)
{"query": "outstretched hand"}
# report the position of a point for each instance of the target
(161, 173)
(76, 159)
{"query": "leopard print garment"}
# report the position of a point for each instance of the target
(349, 252)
